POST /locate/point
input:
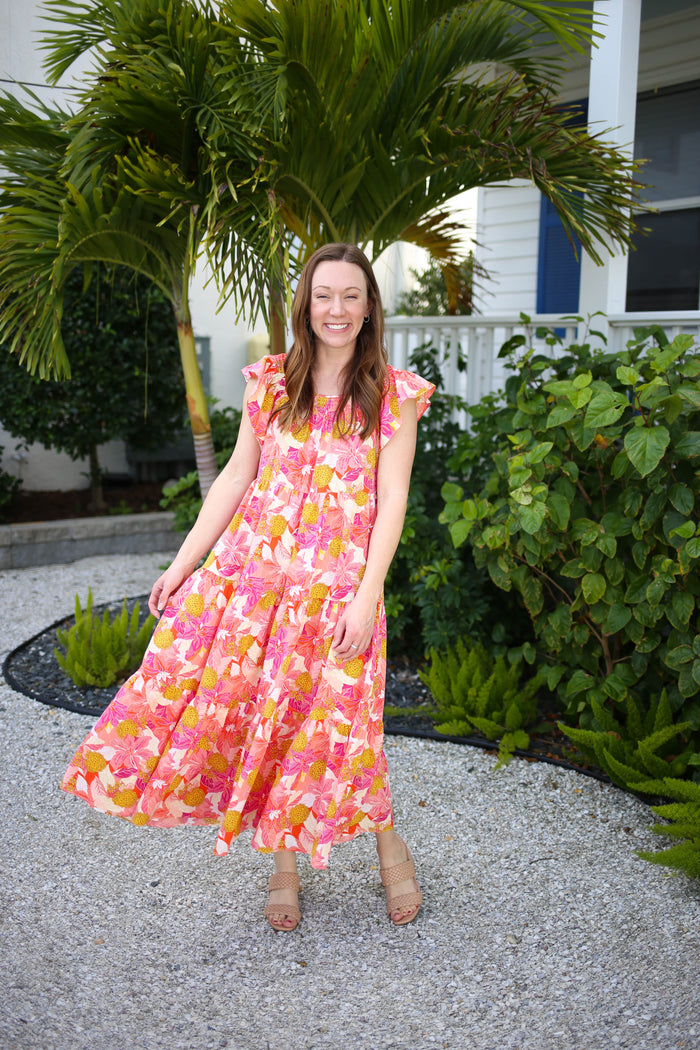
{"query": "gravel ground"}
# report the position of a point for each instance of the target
(541, 928)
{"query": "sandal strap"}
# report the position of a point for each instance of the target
(397, 872)
(284, 880)
(282, 911)
(404, 901)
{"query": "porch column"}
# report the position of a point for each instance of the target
(612, 101)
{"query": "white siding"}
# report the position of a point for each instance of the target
(669, 50)
(507, 238)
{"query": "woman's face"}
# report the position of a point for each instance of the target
(338, 306)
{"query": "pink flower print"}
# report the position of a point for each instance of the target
(352, 463)
(130, 755)
(346, 574)
(199, 631)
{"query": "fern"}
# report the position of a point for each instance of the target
(99, 653)
(473, 690)
(637, 748)
(684, 817)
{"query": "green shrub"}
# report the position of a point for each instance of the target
(434, 593)
(183, 496)
(475, 690)
(99, 652)
(589, 513)
(9, 486)
(644, 745)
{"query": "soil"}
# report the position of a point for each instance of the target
(120, 498)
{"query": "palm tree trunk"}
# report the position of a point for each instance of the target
(278, 329)
(204, 455)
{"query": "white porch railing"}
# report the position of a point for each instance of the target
(480, 339)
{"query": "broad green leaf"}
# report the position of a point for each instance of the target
(629, 375)
(538, 453)
(573, 569)
(688, 444)
(559, 510)
(673, 406)
(687, 683)
(608, 545)
(560, 414)
(451, 493)
(679, 656)
(683, 604)
(593, 586)
(531, 517)
(605, 408)
(682, 498)
(645, 446)
(459, 530)
(690, 394)
(582, 380)
(684, 530)
(618, 617)
(692, 547)
(532, 595)
(655, 591)
(579, 682)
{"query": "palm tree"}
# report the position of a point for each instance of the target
(130, 178)
(377, 113)
(256, 132)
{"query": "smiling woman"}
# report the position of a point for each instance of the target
(259, 702)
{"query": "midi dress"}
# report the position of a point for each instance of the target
(240, 714)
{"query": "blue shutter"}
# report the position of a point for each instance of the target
(558, 268)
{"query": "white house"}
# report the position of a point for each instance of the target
(642, 81)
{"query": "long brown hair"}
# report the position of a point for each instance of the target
(365, 378)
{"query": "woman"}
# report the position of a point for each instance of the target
(259, 701)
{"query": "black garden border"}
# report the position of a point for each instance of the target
(417, 733)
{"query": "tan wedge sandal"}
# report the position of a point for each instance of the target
(391, 877)
(275, 913)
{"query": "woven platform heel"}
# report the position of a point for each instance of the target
(275, 913)
(393, 875)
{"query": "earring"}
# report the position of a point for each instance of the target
(366, 320)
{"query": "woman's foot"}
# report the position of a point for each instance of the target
(282, 911)
(403, 895)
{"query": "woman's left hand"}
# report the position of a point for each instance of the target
(354, 629)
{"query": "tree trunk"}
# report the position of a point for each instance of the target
(278, 328)
(97, 502)
(204, 455)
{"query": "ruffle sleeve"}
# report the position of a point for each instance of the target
(269, 372)
(402, 386)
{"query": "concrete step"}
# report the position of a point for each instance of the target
(50, 542)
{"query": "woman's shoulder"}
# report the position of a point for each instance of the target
(268, 367)
(402, 383)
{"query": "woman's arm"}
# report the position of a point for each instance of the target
(216, 513)
(355, 627)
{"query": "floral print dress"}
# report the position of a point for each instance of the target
(240, 715)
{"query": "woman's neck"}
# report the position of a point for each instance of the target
(328, 371)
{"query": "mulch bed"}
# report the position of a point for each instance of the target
(127, 498)
(32, 669)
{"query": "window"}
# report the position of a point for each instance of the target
(664, 267)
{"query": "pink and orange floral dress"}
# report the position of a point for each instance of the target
(240, 716)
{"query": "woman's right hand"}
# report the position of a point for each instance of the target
(166, 585)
